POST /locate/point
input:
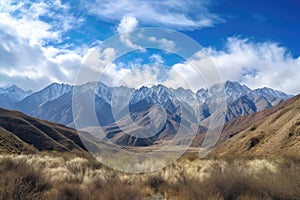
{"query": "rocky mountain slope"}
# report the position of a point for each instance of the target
(269, 132)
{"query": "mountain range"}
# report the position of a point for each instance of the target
(11, 95)
(54, 103)
(271, 132)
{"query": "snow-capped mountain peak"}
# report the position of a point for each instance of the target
(49, 93)
(14, 93)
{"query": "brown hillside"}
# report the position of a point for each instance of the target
(271, 132)
(9, 143)
(19, 132)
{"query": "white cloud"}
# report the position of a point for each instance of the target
(258, 64)
(99, 66)
(27, 59)
(127, 24)
(25, 18)
(156, 58)
(137, 77)
(197, 72)
(163, 43)
(264, 64)
(99, 63)
(192, 14)
(184, 75)
(254, 64)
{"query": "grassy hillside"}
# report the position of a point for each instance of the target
(9, 143)
(19, 131)
(272, 132)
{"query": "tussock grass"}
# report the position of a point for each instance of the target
(19, 180)
(64, 177)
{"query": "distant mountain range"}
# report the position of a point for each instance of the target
(54, 103)
(9, 96)
(274, 131)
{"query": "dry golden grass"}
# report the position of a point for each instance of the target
(70, 177)
(19, 180)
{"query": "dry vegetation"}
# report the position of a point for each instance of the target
(68, 177)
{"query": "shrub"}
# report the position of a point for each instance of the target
(71, 192)
(20, 181)
(111, 187)
(155, 182)
(284, 184)
(230, 181)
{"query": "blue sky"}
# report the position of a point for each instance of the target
(255, 42)
(266, 20)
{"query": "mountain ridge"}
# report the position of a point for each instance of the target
(271, 132)
(36, 99)
(54, 102)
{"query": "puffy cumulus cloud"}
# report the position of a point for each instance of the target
(146, 75)
(127, 24)
(99, 66)
(25, 17)
(258, 64)
(186, 76)
(198, 72)
(156, 58)
(27, 59)
(192, 14)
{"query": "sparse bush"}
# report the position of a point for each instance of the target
(188, 188)
(230, 181)
(224, 182)
(284, 184)
(20, 181)
(111, 187)
(235, 181)
(155, 182)
(70, 192)
(77, 165)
